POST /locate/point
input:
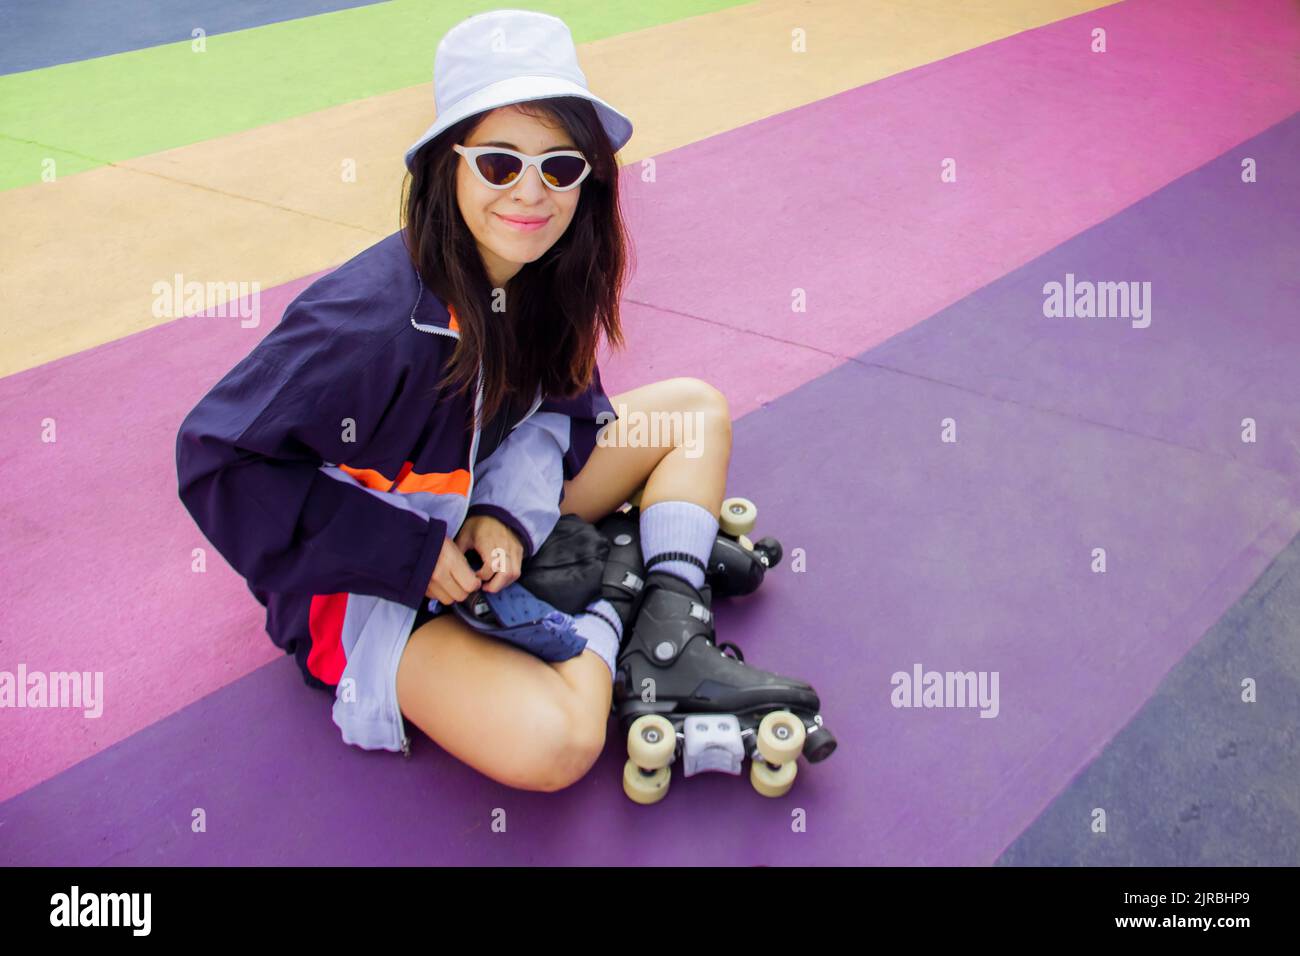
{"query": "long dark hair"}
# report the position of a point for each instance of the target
(557, 305)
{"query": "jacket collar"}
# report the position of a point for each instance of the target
(430, 313)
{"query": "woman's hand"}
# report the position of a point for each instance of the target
(453, 580)
(501, 551)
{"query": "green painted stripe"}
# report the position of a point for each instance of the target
(87, 114)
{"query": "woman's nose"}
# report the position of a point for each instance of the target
(531, 185)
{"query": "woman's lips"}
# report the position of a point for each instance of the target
(524, 225)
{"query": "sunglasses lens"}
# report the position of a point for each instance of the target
(561, 171)
(500, 169)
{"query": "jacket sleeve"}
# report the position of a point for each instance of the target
(249, 459)
(588, 414)
(522, 482)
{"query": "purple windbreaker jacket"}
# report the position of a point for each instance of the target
(327, 470)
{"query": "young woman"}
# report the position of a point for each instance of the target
(344, 468)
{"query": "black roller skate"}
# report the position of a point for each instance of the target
(678, 693)
(736, 565)
(624, 581)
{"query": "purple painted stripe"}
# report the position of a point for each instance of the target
(63, 31)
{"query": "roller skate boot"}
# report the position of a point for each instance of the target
(678, 694)
(623, 583)
(736, 565)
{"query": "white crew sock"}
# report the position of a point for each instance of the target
(681, 526)
(603, 636)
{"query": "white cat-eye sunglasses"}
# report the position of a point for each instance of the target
(500, 168)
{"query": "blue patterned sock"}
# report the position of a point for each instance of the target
(682, 527)
(603, 631)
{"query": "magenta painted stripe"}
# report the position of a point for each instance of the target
(99, 575)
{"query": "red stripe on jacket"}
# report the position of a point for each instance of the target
(325, 621)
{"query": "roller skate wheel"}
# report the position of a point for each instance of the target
(772, 781)
(737, 516)
(769, 551)
(651, 741)
(645, 788)
(780, 737)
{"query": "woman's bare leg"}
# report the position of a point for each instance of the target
(496, 707)
(688, 464)
(511, 715)
(693, 467)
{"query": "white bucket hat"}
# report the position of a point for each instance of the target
(510, 56)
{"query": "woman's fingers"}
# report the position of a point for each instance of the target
(463, 578)
(508, 561)
(498, 548)
(452, 576)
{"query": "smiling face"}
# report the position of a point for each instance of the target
(494, 215)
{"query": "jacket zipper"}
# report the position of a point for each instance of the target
(478, 400)
(473, 453)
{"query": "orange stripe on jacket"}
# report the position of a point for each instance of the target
(408, 481)
(369, 477)
(436, 482)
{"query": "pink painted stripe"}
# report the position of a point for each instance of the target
(97, 547)
(842, 198)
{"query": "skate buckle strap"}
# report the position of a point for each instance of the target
(631, 582)
(667, 650)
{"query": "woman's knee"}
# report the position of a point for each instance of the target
(704, 403)
(697, 395)
(561, 743)
(523, 732)
(538, 756)
(577, 752)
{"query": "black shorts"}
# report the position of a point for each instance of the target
(424, 615)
